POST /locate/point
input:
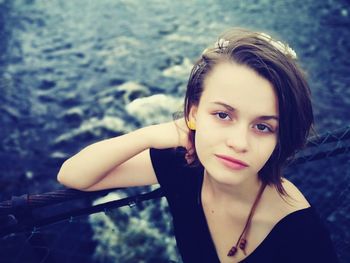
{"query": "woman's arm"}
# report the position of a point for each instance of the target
(121, 161)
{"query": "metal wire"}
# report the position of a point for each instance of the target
(16, 216)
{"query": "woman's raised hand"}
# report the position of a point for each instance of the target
(183, 132)
(170, 134)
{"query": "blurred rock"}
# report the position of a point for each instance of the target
(154, 109)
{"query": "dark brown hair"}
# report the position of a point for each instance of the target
(276, 62)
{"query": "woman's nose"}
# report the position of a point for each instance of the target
(237, 138)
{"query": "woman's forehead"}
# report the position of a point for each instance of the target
(241, 88)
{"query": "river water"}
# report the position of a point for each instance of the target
(75, 72)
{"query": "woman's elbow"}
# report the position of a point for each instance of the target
(65, 178)
(61, 179)
(62, 176)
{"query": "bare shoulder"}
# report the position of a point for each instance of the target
(282, 206)
(297, 200)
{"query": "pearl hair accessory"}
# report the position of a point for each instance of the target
(221, 44)
(284, 48)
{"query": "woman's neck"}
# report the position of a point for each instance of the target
(227, 195)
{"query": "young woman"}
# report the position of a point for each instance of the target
(247, 111)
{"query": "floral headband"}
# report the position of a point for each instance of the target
(221, 44)
(283, 47)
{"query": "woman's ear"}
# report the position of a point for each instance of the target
(193, 113)
(191, 124)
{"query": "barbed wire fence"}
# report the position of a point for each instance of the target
(71, 226)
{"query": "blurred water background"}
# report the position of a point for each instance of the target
(76, 72)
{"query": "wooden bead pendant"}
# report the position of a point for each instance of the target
(242, 241)
(232, 251)
(242, 245)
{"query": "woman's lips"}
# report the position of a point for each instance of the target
(231, 162)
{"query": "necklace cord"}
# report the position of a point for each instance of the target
(242, 241)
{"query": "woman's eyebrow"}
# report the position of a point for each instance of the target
(232, 109)
(228, 107)
(268, 117)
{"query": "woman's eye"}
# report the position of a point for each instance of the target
(263, 128)
(222, 115)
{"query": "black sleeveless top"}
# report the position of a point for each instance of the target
(299, 237)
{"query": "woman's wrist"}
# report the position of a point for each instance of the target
(165, 135)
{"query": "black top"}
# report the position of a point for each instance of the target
(298, 237)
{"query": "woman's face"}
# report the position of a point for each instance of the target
(237, 117)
